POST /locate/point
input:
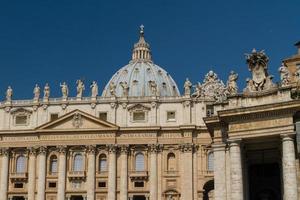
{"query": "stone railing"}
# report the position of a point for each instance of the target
(77, 174)
(138, 175)
(18, 176)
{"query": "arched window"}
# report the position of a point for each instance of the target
(210, 162)
(20, 167)
(139, 162)
(102, 163)
(53, 164)
(78, 163)
(171, 162)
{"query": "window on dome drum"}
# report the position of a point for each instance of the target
(53, 116)
(139, 184)
(103, 116)
(171, 116)
(209, 110)
(21, 167)
(139, 162)
(102, 163)
(171, 162)
(102, 184)
(78, 163)
(139, 116)
(210, 162)
(21, 120)
(53, 164)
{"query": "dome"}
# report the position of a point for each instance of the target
(141, 77)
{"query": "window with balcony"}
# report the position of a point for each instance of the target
(21, 164)
(210, 162)
(139, 162)
(78, 163)
(171, 162)
(102, 163)
(53, 164)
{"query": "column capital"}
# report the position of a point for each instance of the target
(32, 151)
(188, 147)
(112, 148)
(42, 150)
(218, 147)
(287, 137)
(4, 151)
(235, 142)
(91, 149)
(62, 149)
(124, 148)
(153, 148)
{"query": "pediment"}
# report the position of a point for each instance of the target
(139, 107)
(78, 120)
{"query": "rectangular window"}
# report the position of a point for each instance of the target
(209, 110)
(21, 120)
(103, 116)
(171, 116)
(52, 184)
(102, 184)
(139, 184)
(18, 185)
(53, 116)
(139, 116)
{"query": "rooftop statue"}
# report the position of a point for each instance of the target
(94, 89)
(198, 91)
(153, 87)
(46, 92)
(112, 89)
(36, 93)
(9, 94)
(187, 87)
(80, 88)
(64, 90)
(285, 75)
(232, 87)
(125, 88)
(258, 65)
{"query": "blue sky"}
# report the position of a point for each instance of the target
(54, 41)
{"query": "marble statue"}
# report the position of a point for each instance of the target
(153, 87)
(284, 75)
(258, 65)
(80, 88)
(112, 89)
(46, 92)
(9, 94)
(94, 89)
(198, 91)
(125, 88)
(232, 87)
(36, 92)
(187, 87)
(64, 90)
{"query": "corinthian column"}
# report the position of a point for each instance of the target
(219, 171)
(41, 174)
(91, 173)
(187, 171)
(124, 173)
(4, 173)
(31, 173)
(237, 192)
(289, 168)
(153, 172)
(112, 172)
(61, 173)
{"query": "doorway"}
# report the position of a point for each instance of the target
(139, 197)
(264, 182)
(18, 198)
(76, 198)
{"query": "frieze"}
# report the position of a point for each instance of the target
(138, 135)
(20, 138)
(76, 136)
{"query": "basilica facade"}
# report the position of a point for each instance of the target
(143, 140)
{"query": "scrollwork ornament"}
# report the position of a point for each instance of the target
(91, 149)
(32, 151)
(112, 148)
(187, 147)
(42, 150)
(62, 149)
(4, 151)
(124, 149)
(153, 148)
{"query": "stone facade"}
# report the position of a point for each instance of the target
(206, 144)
